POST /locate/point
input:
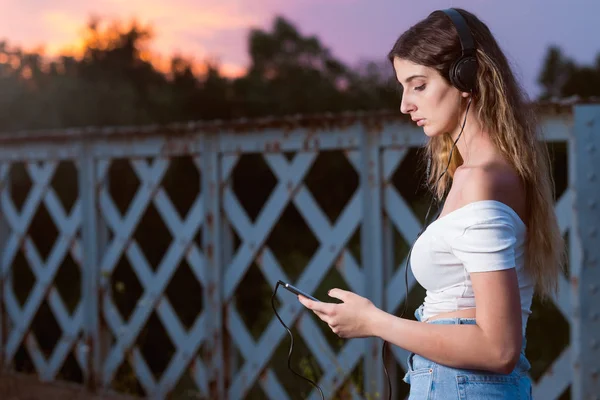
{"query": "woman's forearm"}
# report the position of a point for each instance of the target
(458, 346)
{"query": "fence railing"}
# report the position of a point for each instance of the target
(142, 260)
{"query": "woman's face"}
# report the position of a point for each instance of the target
(429, 99)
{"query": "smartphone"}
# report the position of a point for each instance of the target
(295, 290)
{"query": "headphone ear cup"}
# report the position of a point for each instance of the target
(463, 73)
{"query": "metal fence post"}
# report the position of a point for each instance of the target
(212, 245)
(4, 273)
(372, 252)
(90, 265)
(585, 328)
(230, 357)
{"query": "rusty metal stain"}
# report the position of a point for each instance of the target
(372, 181)
(375, 350)
(91, 381)
(174, 145)
(224, 185)
(72, 246)
(128, 241)
(263, 377)
(209, 220)
(339, 262)
(207, 353)
(273, 147)
(574, 282)
(210, 288)
(189, 248)
(374, 128)
(209, 251)
(305, 144)
(259, 257)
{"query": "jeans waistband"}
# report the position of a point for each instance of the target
(448, 321)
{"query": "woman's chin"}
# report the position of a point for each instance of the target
(430, 132)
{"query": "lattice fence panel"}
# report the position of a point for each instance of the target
(186, 265)
(152, 245)
(333, 235)
(41, 269)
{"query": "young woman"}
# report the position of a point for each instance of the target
(496, 239)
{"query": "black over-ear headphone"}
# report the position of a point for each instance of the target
(463, 72)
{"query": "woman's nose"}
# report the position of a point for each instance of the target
(406, 106)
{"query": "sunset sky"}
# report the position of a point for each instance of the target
(352, 29)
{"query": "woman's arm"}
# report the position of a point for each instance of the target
(493, 344)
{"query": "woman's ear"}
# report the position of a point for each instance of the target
(465, 94)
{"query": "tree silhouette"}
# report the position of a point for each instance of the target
(292, 74)
(562, 77)
(114, 82)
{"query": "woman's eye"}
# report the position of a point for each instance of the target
(419, 88)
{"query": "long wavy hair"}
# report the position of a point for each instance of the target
(504, 110)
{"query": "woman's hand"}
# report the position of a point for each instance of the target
(350, 319)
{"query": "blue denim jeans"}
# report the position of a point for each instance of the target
(432, 381)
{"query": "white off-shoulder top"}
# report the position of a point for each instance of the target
(482, 236)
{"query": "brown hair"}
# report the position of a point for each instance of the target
(504, 111)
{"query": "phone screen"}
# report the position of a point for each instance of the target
(295, 290)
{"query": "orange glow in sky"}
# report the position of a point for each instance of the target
(178, 27)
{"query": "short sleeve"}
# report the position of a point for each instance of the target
(486, 246)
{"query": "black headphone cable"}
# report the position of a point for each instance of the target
(291, 344)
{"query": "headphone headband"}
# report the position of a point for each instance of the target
(463, 72)
(464, 34)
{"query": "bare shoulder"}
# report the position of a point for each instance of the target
(492, 182)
